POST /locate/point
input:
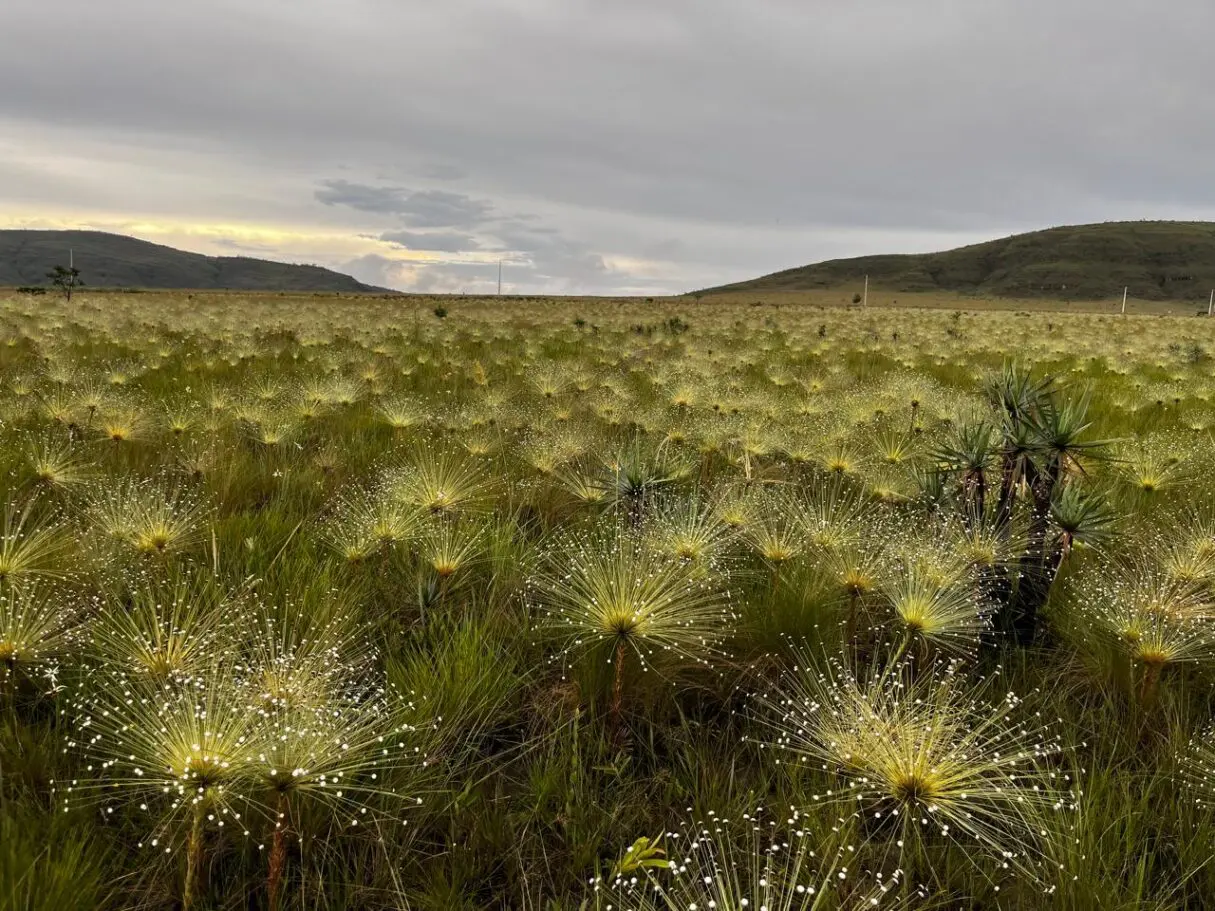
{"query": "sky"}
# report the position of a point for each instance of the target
(599, 146)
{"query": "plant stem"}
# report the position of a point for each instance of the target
(1149, 686)
(278, 854)
(194, 857)
(850, 626)
(618, 691)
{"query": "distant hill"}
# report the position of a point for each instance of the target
(1160, 260)
(116, 261)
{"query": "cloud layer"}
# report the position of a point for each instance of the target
(627, 147)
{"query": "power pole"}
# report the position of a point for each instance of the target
(865, 296)
(1211, 304)
(1124, 290)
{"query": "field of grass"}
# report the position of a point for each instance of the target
(885, 298)
(309, 603)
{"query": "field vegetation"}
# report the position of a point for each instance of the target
(310, 603)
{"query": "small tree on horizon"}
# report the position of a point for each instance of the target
(66, 279)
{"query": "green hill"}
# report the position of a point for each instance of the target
(116, 261)
(1161, 260)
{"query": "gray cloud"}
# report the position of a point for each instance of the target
(658, 144)
(416, 208)
(443, 172)
(438, 241)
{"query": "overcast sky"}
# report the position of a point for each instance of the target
(599, 146)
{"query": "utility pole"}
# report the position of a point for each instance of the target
(865, 296)
(1211, 304)
(1124, 290)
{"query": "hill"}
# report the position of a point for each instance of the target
(1163, 260)
(116, 261)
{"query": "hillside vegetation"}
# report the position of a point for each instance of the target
(1164, 260)
(116, 261)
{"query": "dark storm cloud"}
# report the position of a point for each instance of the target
(718, 138)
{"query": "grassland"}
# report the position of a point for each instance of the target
(320, 603)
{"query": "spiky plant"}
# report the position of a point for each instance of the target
(853, 573)
(147, 517)
(584, 484)
(775, 532)
(931, 756)
(180, 757)
(757, 864)
(329, 734)
(302, 653)
(124, 424)
(1197, 765)
(341, 758)
(441, 483)
(449, 549)
(37, 627)
(828, 517)
(164, 627)
(613, 596)
(1157, 621)
(1155, 465)
(364, 521)
(1186, 550)
(932, 609)
(32, 546)
(691, 530)
(57, 465)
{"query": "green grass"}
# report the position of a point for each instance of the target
(309, 605)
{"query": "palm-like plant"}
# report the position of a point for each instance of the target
(1079, 517)
(1061, 428)
(634, 475)
(969, 453)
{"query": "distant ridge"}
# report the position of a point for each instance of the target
(1156, 260)
(117, 261)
